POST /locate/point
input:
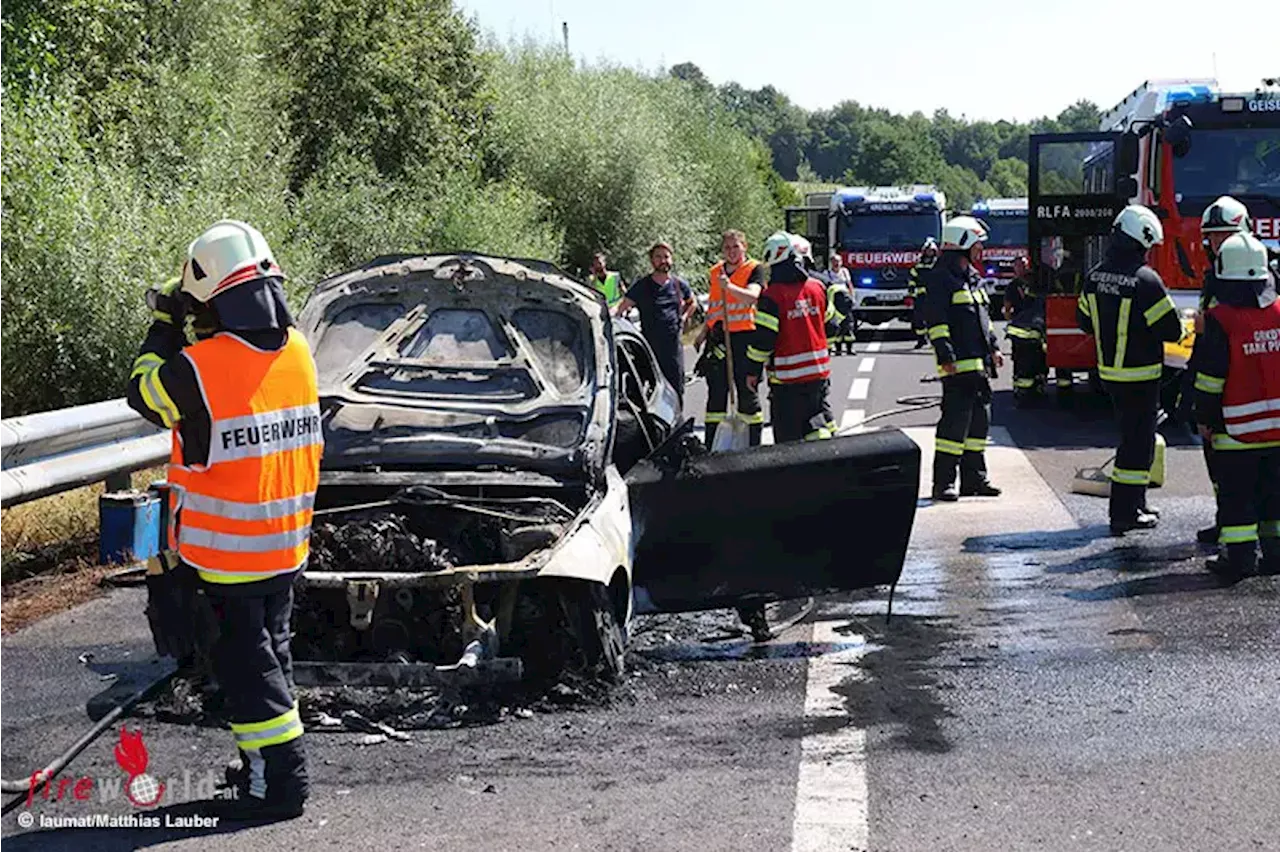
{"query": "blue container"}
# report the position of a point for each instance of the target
(129, 525)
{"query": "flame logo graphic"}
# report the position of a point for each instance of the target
(141, 790)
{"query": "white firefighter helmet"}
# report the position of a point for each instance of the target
(962, 233)
(1242, 257)
(1225, 214)
(804, 250)
(226, 254)
(779, 247)
(1141, 224)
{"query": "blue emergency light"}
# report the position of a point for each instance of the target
(867, 281)
(924, 196)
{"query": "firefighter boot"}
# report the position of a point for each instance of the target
(1239, 561)
(1270, 564)
(1127, 509)
(944, 478)
(278, 791)
(973, 477)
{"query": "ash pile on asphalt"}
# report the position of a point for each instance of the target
(377, 544)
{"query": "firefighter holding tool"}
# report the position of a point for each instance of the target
(1125, 306)
(735, 285)
(243, 407)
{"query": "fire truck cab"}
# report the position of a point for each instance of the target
(878, 232)
(1006, 221)
(1172, 145)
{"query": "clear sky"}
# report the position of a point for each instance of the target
(998, 59)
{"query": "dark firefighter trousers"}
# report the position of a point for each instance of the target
(718, 389)
(961, 437)
(1136, 405)
(800, 411)
(253, 663)
(1030, 367)
(1249, 507)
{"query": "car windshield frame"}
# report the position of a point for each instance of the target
(887, 231)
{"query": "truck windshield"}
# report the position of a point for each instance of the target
(888, 231)
(1007, 231)
(1228, 161)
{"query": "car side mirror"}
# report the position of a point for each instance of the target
(1178, 135)
(1126, 187)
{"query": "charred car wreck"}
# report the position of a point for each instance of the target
(507, 481)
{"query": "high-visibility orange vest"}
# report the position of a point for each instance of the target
(742, 315)
(246, 514)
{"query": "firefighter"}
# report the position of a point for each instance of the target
(1125, 306)
(738, 280)
(839, 315)
(1237, 398)
(848, 326)
(791, 339)
(915, 290)
(243, 407)
(1221, 219)
(1024, 311)
(609, 284)
(955, 309)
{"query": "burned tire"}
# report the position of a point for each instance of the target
(567, 629)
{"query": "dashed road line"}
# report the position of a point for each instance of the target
(831, 792)
(873, 346)
(852, 417)
(866, 365)
(859, 389)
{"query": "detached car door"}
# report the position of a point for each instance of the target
(772, 522)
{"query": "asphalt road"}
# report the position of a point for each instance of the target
(1040, 686)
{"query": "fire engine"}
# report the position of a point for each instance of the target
(1006, 221)
(878, 232)
(1172, 145)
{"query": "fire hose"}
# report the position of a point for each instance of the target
(37, 780)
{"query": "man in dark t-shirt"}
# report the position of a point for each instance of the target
(665, 303)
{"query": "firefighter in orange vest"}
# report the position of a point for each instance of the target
(1237, 404)
(243, 406)
(791, 339)
(737, 280)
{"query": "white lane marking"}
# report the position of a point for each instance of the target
(860, 389)
(866, 365)
(852, 417)
(831, 791)
(873, 346)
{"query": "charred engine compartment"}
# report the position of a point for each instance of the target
(414, 576)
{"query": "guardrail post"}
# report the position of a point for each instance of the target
(119, 482)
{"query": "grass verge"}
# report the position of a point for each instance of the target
(49, 553)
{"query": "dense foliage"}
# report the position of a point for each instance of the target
(855, 145)
(348, 128)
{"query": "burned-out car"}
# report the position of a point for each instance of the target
(505, 468)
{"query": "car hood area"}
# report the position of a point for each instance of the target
(462, 362)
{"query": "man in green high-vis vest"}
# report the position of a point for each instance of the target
(608, 283)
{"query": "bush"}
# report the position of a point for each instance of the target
(624, 160)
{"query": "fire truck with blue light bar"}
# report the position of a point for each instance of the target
(1006, 221)
(1172, 145)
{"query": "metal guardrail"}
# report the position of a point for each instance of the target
(44, 454)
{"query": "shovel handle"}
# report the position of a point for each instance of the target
(728, 344)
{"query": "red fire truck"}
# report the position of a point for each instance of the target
(878, 232)
(1172, 145)
(1006, 221)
